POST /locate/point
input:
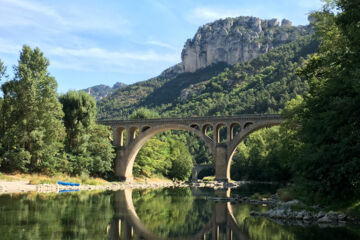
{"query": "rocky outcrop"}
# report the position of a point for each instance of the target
(101, 91)
(233, 40)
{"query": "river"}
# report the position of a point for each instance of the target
(168, 213)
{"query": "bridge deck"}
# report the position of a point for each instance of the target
(243, 117)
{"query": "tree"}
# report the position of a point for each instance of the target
(2, 75)
(32, 128)
(181, 160)
(144, 113)
(88, 147)
(329, 115)
(80, 111)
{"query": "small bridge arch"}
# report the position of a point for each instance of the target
(197, 169)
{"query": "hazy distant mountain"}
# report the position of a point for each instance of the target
(101, 91)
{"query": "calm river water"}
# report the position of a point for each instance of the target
(170, 213)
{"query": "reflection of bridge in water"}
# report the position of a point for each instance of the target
(127, 225)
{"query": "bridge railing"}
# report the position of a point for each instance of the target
(190, 119)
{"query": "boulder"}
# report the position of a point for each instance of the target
(324, 219)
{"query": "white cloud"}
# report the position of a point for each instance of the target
(206, 14)
(60, 19)
(162, 44)
(95, 58)
(113, 55)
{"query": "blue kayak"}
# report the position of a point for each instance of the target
(68, 184)
(69, 190)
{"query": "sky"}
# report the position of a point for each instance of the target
(90, 42)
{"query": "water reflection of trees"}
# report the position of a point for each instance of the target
(166, 213)
(55, 216)
(172, 212)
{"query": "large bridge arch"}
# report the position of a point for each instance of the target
(246, 131)
(134, 146)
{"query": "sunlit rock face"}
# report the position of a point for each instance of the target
(233, 40)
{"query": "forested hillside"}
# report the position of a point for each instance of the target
(262, 85)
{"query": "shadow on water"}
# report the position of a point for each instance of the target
(169, 213)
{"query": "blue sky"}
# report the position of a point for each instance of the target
(92, 42)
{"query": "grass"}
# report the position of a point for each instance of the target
(43, 179)
(153, 179)
(260, 196)
(354, 209)
(209, 178)
(348, 207)
(285, 194)
(5, 177)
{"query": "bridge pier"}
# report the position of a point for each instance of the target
(121, 164)
(222, 170)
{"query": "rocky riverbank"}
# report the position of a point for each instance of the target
(292, 212)
(297, 213)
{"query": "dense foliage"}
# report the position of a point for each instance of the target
(87, 143)
(36, 135)
(261, 157)
(327, 122)
(32, 132)
(164, 155)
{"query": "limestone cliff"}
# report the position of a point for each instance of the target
(233, 40)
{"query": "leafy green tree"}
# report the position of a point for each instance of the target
(260, 157)
(144, 113)
(88, 146)
(152, 159)
(181, 160)
(32, 117)
(329, 116)
(80, 110)
(2, 75)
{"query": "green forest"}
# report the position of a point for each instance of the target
(313, 81)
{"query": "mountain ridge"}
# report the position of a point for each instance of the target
(174, 86)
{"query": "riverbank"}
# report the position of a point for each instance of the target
(22, 186)
(20, 183)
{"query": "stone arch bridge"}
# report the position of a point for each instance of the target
(130, 135)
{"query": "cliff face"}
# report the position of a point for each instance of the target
(235, 40)
(101, 91)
